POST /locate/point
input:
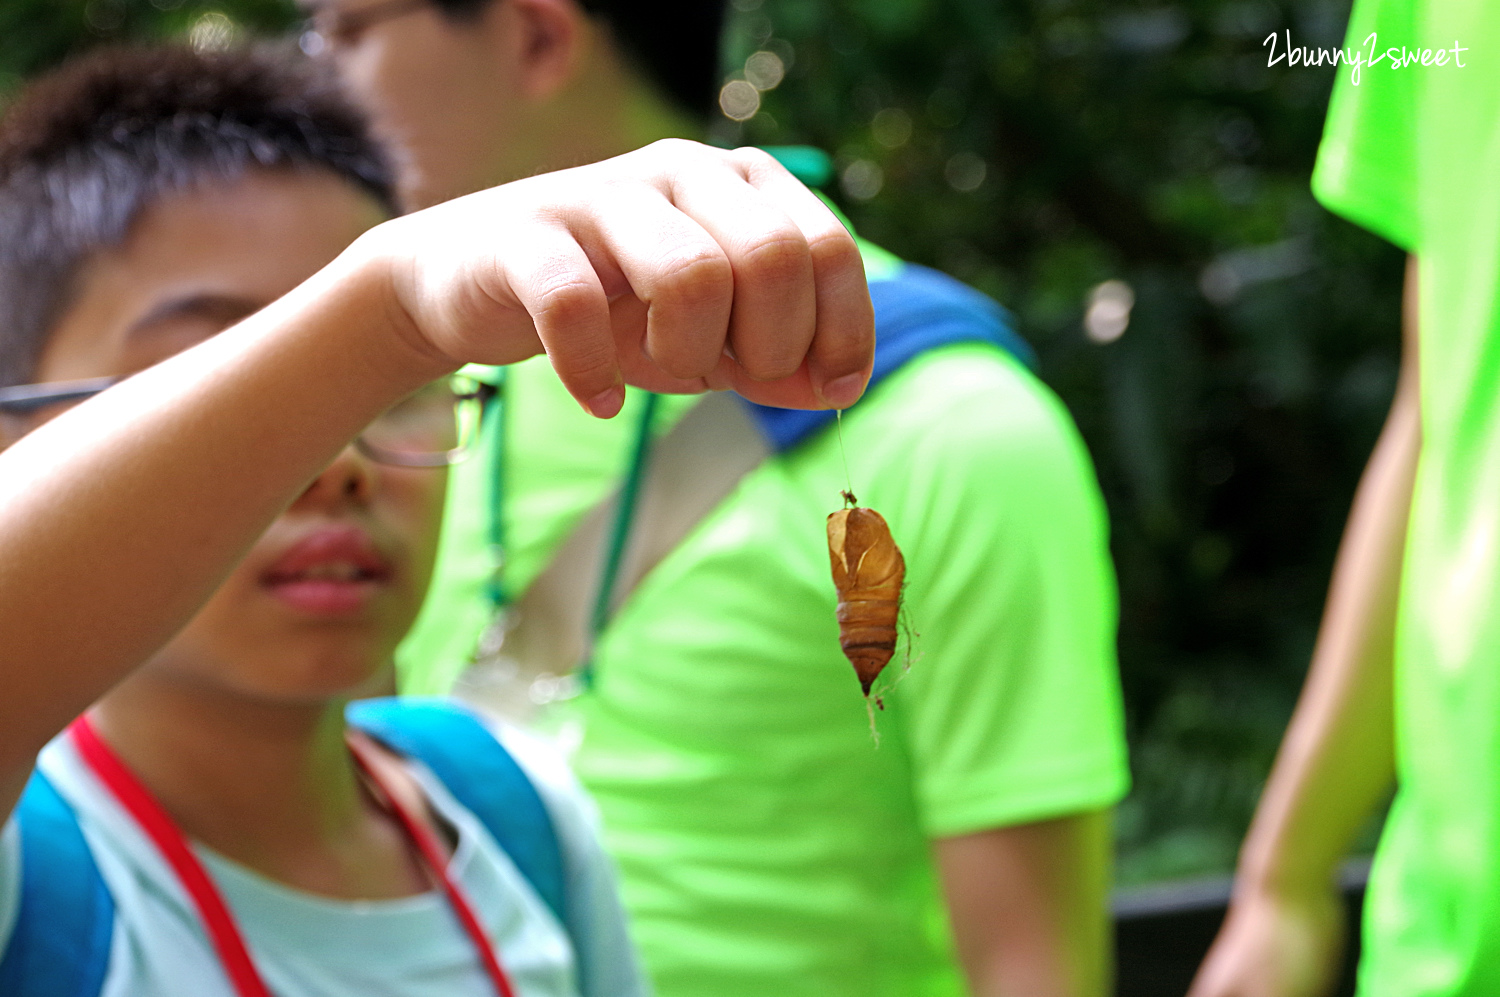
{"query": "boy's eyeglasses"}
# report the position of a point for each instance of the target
(328, 27)
(432, 427)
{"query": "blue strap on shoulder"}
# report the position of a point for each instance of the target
(59, 946)
(475, 767)
(916, 309)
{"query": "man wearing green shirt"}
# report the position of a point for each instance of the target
(765, 843)
(1406, 678)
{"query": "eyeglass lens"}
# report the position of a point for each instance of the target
(434, 422)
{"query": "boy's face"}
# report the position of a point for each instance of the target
(318, 605)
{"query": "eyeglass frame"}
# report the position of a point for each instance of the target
(346, 26)
(24, 399)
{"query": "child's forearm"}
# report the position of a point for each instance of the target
(1337, 761)
(119, 518)
(1284, 929)
(1028, 906)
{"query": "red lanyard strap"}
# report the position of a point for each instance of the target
(220, 924)
(148, 813)
(437, 862)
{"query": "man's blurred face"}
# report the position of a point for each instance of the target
(442, 92)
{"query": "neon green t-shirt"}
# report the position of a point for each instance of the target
(1413, 153)
(765, 843)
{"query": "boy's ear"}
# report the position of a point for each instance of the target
(544, 39)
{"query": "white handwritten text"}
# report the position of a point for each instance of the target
(1366, 56)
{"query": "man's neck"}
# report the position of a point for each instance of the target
(607, 111)
(270, 785)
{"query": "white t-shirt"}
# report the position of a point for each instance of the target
(311, 946)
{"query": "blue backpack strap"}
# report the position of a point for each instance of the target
(916, 309)
(475, 767)
(59, 946)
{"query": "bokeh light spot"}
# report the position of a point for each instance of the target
(764, 70)
(965, 172)
(862, 179)
(1108, 312)
(739, 100)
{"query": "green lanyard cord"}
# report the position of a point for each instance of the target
(495, 589)
(619, 537)
(619, 540)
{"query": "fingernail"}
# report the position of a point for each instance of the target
(841, 392)
(607, 403)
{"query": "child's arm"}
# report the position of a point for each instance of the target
(120, 518)
(1029, 906)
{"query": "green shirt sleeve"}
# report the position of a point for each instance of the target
(1011, 710)
(1367, 163)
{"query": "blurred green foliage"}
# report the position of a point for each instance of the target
(37, 34)
(1141, 155)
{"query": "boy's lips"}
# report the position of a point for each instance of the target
(329, 572)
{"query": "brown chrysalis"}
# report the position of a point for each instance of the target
(867, 571)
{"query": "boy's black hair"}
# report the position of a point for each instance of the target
(675, 43)
(85, 149)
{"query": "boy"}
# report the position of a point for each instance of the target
(198, 552)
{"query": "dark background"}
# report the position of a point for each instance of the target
(1037, 148)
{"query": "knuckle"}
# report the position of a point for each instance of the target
(671, 153)
(584, 365)
(834, 249)
(699, 278)
(842, 350)
(566, 301)
(754, 160)
(770, 361)
(778, 258)
(675, 146)
(591, 376)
